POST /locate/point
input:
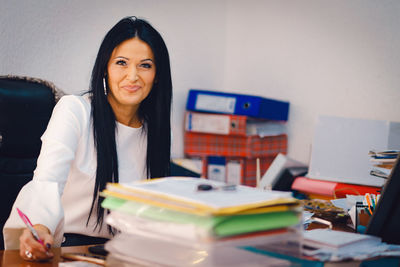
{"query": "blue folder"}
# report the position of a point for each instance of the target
(237, 104)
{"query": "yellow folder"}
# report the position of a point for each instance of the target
(182, 194)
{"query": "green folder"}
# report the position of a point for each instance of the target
(219, 226)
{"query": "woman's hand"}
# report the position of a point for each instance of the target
(30, 249)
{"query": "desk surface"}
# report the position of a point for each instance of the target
(11, 258)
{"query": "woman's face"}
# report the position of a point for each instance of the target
(130, 73)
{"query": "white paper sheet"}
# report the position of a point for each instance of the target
(185, 189)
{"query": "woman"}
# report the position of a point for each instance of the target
(118, 132)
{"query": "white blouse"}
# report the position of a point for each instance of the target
(61, 191)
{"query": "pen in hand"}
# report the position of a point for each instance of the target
(28, 223)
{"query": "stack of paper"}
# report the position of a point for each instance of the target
(330, 245)
(383, 162)
(175, 211)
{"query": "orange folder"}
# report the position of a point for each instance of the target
(331, 189)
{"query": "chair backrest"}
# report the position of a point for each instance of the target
(26, 105)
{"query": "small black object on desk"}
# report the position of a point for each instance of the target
(208, 187)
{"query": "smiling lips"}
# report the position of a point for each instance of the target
(131, 88)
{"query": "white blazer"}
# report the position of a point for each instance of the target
(61, 191)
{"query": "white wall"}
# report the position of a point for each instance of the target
(58, 41)
(325, 57)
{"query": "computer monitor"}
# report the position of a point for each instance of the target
(385, 221)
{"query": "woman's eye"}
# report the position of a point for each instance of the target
(121, 62)
(146, 65)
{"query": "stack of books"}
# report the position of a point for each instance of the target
(229, 132)
(181, 220)
(383, 162)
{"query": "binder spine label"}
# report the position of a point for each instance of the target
(208, 123)
(216, 169)
(214, 103)
(234, 172)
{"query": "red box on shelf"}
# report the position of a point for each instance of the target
(200, 144)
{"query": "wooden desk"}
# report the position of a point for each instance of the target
(11, 258)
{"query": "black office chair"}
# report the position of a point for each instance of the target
(26, 105)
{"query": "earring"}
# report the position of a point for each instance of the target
(105, 87)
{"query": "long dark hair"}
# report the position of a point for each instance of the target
(154, 111)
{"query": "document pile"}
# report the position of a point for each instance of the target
(383, 162)
(330, 245)
(182, 221)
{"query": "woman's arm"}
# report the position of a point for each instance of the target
(40, 199)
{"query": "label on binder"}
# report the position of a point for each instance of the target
(216, 169)
(208, 123)
(214, 103)
(234, 172)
